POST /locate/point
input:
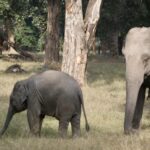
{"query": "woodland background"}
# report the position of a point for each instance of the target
(23, 28)
(28, 21)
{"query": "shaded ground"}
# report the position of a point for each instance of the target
(105, 68)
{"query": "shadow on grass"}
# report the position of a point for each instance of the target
(103, 131)
(107, 69)
(17, 132)
(49, 132)
(147, 116)
(19, 128)
(98, 68)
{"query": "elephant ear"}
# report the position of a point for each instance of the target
(20, 90)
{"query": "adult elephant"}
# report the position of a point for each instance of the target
(137, 54)
(50, 93)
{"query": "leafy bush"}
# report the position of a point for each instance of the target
(25, 38)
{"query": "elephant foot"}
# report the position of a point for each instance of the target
(131, 132)
(63, 126)
(76, 133)
(74, 136)
(62, 134)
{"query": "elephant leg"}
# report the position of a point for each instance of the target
(35, 123)
(139, 108)
(63, 127)
(75, 124)
(134, 80)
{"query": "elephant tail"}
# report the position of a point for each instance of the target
(86, 121)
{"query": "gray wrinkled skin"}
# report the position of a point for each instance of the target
(137, 55)
(50, 93)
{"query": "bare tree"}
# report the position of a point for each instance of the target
(75, 51)
(91, 20)
(52, 36)
(78, 36)
(10, 33)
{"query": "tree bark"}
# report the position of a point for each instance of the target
(1, 47)
(11, 41)
(52, 36)
(75, 51)
(10, 35)
(91, 19)
(78, 37)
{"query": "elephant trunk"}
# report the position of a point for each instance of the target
(10, 114)
(134, 80)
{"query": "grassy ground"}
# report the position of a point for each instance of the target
(104, 97)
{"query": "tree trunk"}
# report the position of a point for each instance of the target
(1, 46)
(78, 37)
(75, 51)
(52, 37)
(91, 19)
(10, 35)
(115, 43)
(11, 41)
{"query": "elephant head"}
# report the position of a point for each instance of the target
(18, 102)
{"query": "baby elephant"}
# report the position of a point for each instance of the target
(51, 93)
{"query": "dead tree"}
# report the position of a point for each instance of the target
(78, 36)
(52, 35)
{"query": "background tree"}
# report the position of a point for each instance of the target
(109, 27)
(29, 22)
(117, 17)
(52, 33)
(78, 37)
(91, 19)
(9, 28)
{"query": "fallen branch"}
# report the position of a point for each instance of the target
(15, 69)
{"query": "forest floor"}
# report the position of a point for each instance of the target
(104, 96)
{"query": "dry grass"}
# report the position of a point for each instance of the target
(104, 97)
